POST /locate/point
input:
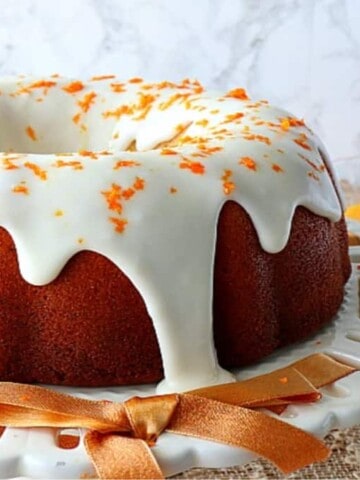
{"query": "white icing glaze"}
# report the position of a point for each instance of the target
(153, 211)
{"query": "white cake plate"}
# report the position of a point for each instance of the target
(33, 453)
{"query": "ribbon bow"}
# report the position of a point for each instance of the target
(119, 435)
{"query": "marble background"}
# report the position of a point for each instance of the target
(301, 54)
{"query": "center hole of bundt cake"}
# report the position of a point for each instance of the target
(32, 139)
(56, 131)
(51, 130)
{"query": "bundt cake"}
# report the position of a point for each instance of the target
(187, 230)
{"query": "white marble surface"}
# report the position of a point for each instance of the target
(301, 54)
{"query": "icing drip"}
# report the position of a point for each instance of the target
(152, 168)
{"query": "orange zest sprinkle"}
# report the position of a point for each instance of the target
(249, 163)
(80, 240)
(296, 122)
(283, 380)
(215, 111)
(222, 131)
(173, 190)
(75, 164)
(21, 189)
(198, 87)
(144, 113)
(87, 101)
(233, 117)
(208, 150)
(172, 99)
(181, 127)
(259, 138)
(120, 224)
(168, 151)
(136, 80)
(88, 153)
(301, 140)
(126, 163)
(59, 213)
(144, 105)
(239, 93)
(128, 193)
(203, 123)
(118, 87)
(255, 105)
(113, 198)
(8, 163)
(164, 84)
(76, 118)
(277, 168)
(139, 183)
(73, 87)
(101, 77)
(36, 170)
(30, 132)
(122, 110)
(285, 124)
(45, 84)
(195, 167)
(228, 184)
(192, 140)
(145, 100)
(194, 84)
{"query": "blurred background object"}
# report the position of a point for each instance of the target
(303, 55)
(348, 172)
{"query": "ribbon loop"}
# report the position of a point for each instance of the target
(149, 416)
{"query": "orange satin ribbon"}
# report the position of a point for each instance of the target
(120, 435)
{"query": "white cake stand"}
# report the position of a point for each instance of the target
(33, 453)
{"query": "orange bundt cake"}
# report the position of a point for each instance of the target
(155, 231)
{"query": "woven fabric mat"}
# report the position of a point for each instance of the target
(344, 463)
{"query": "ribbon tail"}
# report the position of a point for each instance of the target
(32, 406)
(116, 457)
(288, 447)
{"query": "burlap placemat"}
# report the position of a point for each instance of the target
(344, 463)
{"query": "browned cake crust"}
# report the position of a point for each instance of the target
(90, 326)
